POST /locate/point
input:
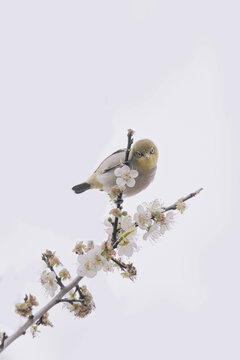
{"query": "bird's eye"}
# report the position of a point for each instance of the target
(138, 154)
(152, 150)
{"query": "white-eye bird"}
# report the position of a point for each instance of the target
(143, 158)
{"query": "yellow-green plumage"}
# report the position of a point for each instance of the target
(143, 158)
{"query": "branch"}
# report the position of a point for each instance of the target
(119, 200)
(74, 301)
(174, 206)
(41, 312)
(4, 338)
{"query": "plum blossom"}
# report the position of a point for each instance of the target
(48, 281)
(127, 223)
(166, 222)
(153, 232)
(126, 176)
(92, 262)
(143, 217)
(160, 226)
(127, 247)
(154, 206)
(127, 244)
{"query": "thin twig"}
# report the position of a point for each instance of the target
(123, 267)
(174, 206)
(119, 200)
(78, 289)
(71, 301)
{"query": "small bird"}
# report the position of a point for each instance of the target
(143, 158)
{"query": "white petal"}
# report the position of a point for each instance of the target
(129, 251)
(131, 182)
(120, 181)
(118, 172)
(140, 209)
(81, 271)
(134, 173)
(145, 236)
(91, 273)
(125, 169)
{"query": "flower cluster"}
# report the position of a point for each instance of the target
(130, 272)
(153, 220)
(25, 309)
(94, 260)
(126, 233)
(51, 259)
(49, 277)
(44, 320)
(81, 306)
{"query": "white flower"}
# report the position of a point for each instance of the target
(126, 223)
(127, 249)
(92, 262)
(87, 265)
(166, 223)
(153, 232)
(107, 265)
(125, 176)
(48, 281)
(154, 206)
(128, 234)
(143, 217)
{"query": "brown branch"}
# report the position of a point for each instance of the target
(174, 206)
(123, 267)
(71, 301)
(4, 338)
(119, 200)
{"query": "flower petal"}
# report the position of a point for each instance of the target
(140, 209)
(131, 182)
(126, 169)
(118, 172)
(133, 173)
(120, 181)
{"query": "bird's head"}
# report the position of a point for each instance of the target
(144, 154)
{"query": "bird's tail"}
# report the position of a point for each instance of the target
(81, 187)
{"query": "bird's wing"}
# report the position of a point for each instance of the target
(112, 161)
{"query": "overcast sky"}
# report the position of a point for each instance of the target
(74, 76)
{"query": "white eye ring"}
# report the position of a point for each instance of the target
(152, 150)
(138, 154)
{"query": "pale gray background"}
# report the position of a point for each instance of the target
(75, 75)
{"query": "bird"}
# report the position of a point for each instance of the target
(143, 157)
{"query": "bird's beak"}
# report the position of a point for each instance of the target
(147, 155)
